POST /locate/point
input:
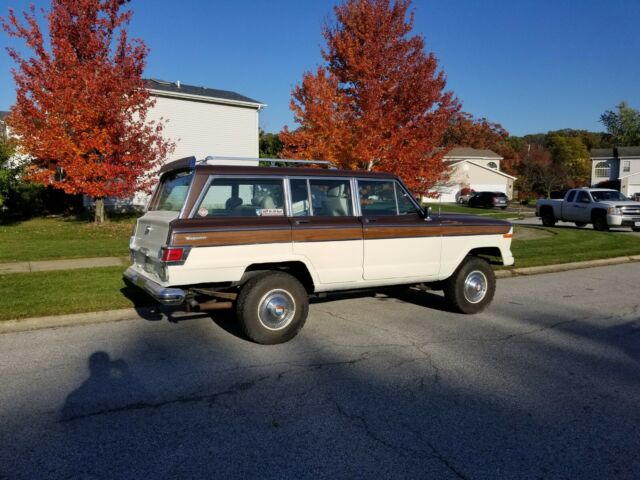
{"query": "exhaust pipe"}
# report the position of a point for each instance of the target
(193, 306)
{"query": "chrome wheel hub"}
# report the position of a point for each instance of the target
(276, 309)
(475, 286)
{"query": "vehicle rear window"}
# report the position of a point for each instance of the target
(172, 190)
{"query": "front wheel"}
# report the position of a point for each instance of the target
(600, 223)
(635, 229)
(471, 287)
(272, 307)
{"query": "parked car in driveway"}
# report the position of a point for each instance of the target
(489, 200)
(602, 207)
(464, 195)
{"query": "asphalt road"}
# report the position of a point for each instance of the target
(544, 384)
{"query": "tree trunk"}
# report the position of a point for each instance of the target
(100, 214)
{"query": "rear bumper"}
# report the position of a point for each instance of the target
(164, 295)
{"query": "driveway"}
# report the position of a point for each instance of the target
(535, 221)
(544, 384)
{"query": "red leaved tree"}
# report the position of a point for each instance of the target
(81, 104)
(379, 101)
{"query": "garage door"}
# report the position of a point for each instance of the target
(479, 187)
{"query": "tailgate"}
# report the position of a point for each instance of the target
(149, 237)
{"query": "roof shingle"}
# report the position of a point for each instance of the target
(154, 84)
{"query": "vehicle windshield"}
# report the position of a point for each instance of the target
(172, 190)
(605, 195)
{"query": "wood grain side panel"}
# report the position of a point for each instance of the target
(239, 237)
(326, 234)
(385, 232)
(382, 232)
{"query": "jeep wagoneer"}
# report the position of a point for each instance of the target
(263, 239)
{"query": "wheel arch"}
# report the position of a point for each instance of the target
(295, 268)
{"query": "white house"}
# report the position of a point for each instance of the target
(205, 121)
(618, 164)
(202, 121)
(476, 169)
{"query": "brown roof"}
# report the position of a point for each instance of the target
(468, 152)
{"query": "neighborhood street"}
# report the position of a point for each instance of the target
(544, 384)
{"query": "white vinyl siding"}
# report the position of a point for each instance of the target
(204, 128)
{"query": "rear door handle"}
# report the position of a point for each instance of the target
(302, 222)
(370, 220)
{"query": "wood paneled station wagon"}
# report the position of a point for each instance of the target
(227, 233)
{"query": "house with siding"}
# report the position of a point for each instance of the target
(618, 164)
(473, 168)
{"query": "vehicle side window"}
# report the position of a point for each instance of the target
(571, 196)
(242, 197)
(583, 197)
(377, 197)
(331, 198)
(300, 200)
(405, 205)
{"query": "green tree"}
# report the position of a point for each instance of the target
(623, 124)
(270, 145)
(572, 155)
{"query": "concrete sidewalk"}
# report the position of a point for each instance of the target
(67, 264)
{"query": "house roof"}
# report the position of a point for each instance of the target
(180, 90)
(616, 152)
(467, 152)
(479, 165)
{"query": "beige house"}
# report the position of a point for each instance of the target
(619, 164)
(476, 169)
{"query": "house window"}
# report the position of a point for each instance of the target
(603, 169)
(493, 165)
(626, 166)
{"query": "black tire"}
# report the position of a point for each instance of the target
(548, 220)
(503, 208)
(471, 287)
(600, 223)
(581, 224)
(272, 307)
(635, 229)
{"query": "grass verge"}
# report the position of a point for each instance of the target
(565, 245)
(58, 238)
(67, 291)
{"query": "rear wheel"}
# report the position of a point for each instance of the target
(600, 223)
(581, 224)
(272, 307)
(548, 220)
(471, 287)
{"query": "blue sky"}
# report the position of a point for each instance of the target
(531, 65)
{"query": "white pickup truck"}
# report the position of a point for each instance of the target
(602, 207)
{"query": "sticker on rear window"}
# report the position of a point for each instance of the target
(203, 212)
(270, 212)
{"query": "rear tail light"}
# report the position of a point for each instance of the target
(173, 254)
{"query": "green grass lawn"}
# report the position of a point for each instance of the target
(484, 212)
(56, 238)
(67, 291)
(565, 245)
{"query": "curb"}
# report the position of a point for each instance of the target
(89, 318)
(75, 319)
(563, 267)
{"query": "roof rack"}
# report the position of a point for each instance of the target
(272, 161)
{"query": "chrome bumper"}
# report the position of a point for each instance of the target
(164, 295)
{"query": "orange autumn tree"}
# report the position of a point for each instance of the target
(81, 106)
(378, 102)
